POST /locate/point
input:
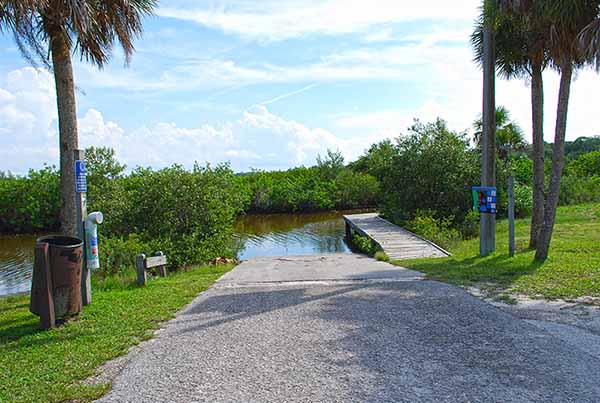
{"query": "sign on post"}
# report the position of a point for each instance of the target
(81, 206)
(80, 176)
(484, 199)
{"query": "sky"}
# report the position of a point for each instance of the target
(271, 84)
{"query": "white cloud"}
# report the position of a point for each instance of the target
(27, 117)
(257, 139)
(395, 63)
(261, 139)
(453, 92)
(274, 20)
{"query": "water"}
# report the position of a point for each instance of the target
(290, 234)
(16, 262)
(256, 235)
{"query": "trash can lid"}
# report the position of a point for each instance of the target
(60, 241)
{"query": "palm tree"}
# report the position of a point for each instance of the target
(50, 31)
(521, 36)
(569, 19)
(509, 135)
(589, 42)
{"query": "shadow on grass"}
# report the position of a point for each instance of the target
(15, 329)
(498, 269)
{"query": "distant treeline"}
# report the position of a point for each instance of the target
(421, 180)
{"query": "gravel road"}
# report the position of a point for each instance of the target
(345, 328)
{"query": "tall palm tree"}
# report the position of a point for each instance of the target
(521, 37)
(509, 135)
(569, 18)
(50, 31)
(589, 42)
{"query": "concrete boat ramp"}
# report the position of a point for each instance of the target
(346, 328)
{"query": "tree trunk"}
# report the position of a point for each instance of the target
(537, 112)
(67, 122)
(487, 222)
(558, 162)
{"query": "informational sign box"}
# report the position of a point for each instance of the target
(80, 177)
(484, 199)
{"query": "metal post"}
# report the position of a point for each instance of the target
(81, 206)
(487, 237)
(511, 216)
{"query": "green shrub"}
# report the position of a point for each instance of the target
(324, 187)
(436, 230)
(30, 203)
(522, 168)
(189, 215)
(470, 226)
(434, 169)
(118, 254)
(355, 190)
(587, 165)
(381, 256)
(576, 190)
(523, 200)
(365, 245)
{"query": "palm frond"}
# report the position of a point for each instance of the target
(589, 43)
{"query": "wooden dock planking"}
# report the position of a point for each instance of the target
(395, 241)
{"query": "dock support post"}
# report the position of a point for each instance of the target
(348, 231)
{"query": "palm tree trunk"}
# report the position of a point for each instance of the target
(67, 122)
(558, 162)
(537, 112)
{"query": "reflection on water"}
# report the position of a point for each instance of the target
(290, 234)
(16, 262)
(256, 235)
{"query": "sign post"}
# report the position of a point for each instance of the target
(81, 206)
(511, 215)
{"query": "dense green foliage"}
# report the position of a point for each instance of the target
(430, 168)
(365, 245)
(48, 366)
(188, 215)
(427, 174)
(328, 185)
(421, 180)
(30, 203)
(574, 149)
(438, 230)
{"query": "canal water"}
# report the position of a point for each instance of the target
(256, 235)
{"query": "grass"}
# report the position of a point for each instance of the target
(381, 256)
(47, 366)
(572, 269)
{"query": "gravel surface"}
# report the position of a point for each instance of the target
(353, 330)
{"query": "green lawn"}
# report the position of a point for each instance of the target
(46, 366)
(572, 270)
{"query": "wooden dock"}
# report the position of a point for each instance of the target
(395, 241)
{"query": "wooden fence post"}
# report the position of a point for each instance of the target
(162, 270)
(140, 263)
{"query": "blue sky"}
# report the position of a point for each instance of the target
(270, 84)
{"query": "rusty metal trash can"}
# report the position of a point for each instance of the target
(56, 280)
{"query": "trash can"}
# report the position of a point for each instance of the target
(56, 280)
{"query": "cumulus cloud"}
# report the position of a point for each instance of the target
(458, 100)
(258, 139)
(27, 113)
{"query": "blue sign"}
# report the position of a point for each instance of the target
(484, 199)
(80, 177)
